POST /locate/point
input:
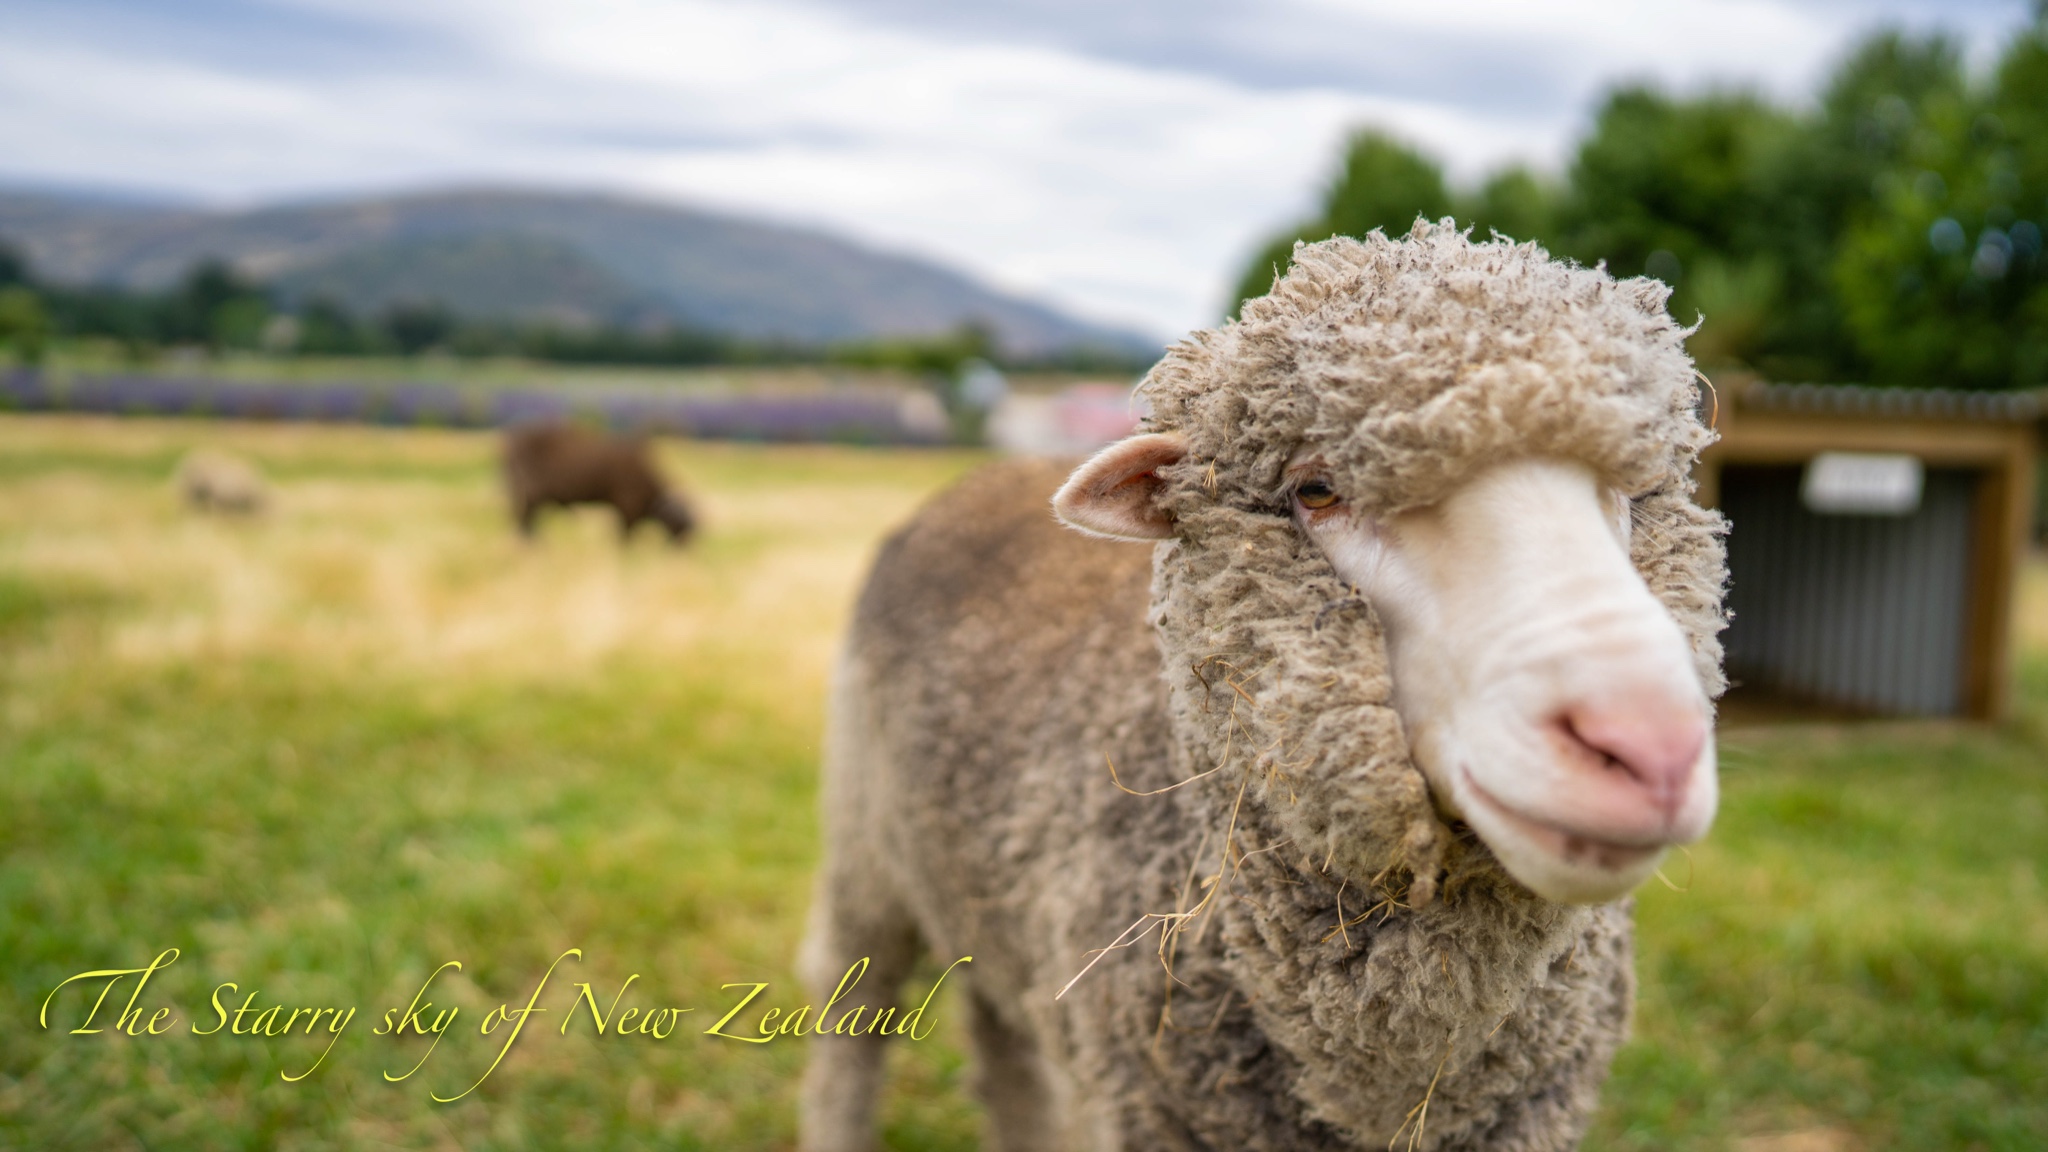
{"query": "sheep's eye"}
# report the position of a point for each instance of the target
(1316, 495)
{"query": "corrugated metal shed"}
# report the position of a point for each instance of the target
(1892, 607)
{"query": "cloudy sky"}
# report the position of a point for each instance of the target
(1119, 159)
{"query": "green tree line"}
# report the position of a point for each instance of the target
(1890, 233)
(214, 308)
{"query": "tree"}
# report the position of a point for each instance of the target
(1681, 177)
(213, 306)
(1873, 108)
(1941, 275)
(327, 328)
(1514, 203)
(1702, 193)
(931, 356)
(415, 327)
(23, 323)
(1381, 183)
(1891, 234)
(13, 266)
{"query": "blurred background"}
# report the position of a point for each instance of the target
(281, 685)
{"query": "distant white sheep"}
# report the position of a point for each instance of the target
(214, 481)
(1410, 692)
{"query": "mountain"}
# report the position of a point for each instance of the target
(563, 256)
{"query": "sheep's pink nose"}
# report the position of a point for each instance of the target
(1652, 744)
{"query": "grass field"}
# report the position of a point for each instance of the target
(325, 752)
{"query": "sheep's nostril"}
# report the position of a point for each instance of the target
(1656, 747)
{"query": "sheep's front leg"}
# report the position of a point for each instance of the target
(843, 1079)
(1011, 1083)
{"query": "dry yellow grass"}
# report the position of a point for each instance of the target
(390, 550)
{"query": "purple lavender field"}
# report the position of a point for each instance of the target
(854, 416)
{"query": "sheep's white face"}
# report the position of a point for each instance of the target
(1548, 696)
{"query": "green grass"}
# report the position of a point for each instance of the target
(324, 752)
(1862, 949)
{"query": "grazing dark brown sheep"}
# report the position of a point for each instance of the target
(566, 464)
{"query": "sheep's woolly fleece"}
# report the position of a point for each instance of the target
(1404, 365)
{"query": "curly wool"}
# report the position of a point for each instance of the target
(1407, 366)
(1358, 973)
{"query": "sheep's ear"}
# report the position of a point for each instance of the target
(1116, 493)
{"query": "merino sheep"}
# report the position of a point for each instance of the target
(215, 481)
(567, 464)
(1312, 824)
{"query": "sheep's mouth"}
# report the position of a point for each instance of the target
(1567, 844)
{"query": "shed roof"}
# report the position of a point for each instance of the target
(1903, 403)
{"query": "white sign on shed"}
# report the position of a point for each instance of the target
(1862, 484)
